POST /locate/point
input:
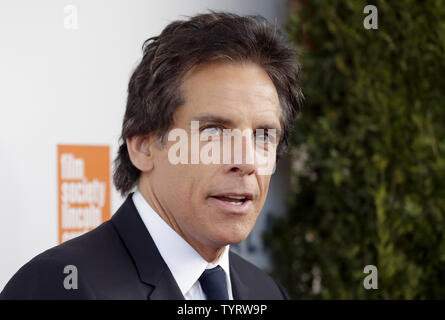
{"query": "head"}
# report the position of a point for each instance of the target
(227, 72)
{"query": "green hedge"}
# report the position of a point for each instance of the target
(368, 154)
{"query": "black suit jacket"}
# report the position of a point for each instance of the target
(119, 260)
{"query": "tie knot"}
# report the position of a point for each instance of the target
(213, 283)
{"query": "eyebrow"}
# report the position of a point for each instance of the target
(206, 118)
(211, 118)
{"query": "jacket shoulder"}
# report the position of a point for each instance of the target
(261, 285)
(53, 273)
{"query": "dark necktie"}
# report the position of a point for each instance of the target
(213, 283)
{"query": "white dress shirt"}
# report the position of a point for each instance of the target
(184, 262)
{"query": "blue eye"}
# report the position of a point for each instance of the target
(212, 130)
(262, 137)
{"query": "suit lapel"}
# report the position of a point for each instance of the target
(240, 290)
(151, 268)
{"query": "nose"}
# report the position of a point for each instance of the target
(243, 169)
(242, 159)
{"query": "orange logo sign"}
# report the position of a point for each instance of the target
(83, 188)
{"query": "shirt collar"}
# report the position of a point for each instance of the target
(184, 262)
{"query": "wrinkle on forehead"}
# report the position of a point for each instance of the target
(225, 84)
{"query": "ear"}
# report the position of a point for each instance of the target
(140, 149)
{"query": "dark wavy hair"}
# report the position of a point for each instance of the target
(154, 88)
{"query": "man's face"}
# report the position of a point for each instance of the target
(197, 200)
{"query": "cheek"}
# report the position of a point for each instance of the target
(185, 185)
(172, 181)
(264, 182)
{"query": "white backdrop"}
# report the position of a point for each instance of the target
(62, 86)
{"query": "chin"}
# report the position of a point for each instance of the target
(233, 236)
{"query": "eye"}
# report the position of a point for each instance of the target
(212, 130)
(262, 135)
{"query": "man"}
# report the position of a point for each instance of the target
(219, 73)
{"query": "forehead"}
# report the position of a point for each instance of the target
(236, 90)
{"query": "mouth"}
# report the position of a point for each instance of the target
(233, 202)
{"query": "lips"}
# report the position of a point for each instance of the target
(234, 198)
(233, 202)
